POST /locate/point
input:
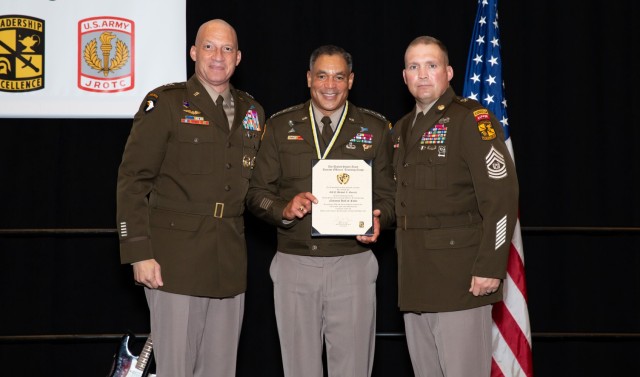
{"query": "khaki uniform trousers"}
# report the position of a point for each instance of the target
(195, 336)
(450, 344)
(328, 301)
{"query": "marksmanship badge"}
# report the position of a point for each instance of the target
(106, 54)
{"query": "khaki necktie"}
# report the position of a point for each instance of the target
(327, 131)
(419, 117)
(221, 112)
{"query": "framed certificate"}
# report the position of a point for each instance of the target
(345, 199)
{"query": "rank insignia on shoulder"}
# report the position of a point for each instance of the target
(496, 166)
(486, 130)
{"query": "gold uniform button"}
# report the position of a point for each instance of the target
(196, 140)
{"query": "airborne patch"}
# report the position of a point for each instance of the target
(21, 53)
(106, 54)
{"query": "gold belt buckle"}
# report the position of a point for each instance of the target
(218, 210)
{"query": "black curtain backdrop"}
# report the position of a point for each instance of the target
(572, 85)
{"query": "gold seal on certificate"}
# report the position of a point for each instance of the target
(345, 199)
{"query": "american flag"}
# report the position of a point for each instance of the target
(483, 82)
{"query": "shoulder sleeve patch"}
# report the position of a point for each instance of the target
(481, 115)
(486, 130)
(150, 102)
(153, 96)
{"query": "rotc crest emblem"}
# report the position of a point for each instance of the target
(106, 54)
(343, 178)
(486, 130)
(21, 53)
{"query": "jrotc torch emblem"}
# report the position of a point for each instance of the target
(106, 54)
(21, 53)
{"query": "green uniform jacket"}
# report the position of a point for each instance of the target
(283, 169)
(456, 205)
(182, 185)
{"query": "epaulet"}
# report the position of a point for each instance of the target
(170, 86)
(468, 103)
(375, 114)
(243, 93)
(287, 110)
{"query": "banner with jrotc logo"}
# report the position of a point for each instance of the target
(100, 60)
(21, 53)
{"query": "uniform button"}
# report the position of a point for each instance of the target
(314, 247)
(227, 165)
(196, 140)
(452, 242)
(172, 224)
(406, 165)
(403, 204)
(227, 188)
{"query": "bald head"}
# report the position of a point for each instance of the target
(216, 26)
(216, 53)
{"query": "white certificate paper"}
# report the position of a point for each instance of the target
(345, 199)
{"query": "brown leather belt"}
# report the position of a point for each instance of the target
(435, 222)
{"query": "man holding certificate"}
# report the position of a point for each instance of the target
(329, 157)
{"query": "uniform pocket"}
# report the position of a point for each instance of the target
(296, 160)
(160, 218)
(452, 238)
(431, 169)
(196, 149)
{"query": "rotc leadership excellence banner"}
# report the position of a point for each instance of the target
(87, 58)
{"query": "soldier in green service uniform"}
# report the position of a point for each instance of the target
(456, 209)
(181, 191)
(324, 287)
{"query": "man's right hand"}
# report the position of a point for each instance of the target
(299, 206)
(147, 273)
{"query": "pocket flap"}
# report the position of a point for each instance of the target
(161, 218)
(452, 238)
